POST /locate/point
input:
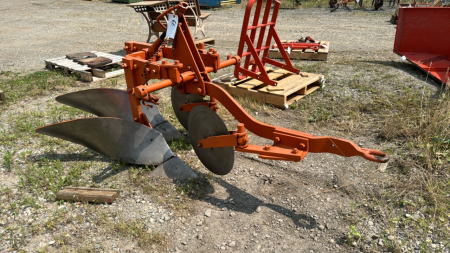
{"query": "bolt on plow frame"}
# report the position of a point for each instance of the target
(127, 131)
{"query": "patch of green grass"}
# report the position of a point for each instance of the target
(137, 231)
(315, 67)
(8, 159)
(181, 144)
(29, 201)
(49, 175)
(353, 235)
(17, 86)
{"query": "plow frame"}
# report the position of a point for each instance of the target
(189, 74)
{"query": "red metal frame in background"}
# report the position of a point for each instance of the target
(423, 37)
(252, 56)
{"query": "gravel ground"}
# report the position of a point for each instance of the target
(57, 28)
(261, 206)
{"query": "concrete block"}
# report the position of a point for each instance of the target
(174, 168)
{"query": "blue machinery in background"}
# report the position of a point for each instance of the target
(217, 3)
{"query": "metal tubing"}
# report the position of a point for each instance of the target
(295, 139)
(157, 86)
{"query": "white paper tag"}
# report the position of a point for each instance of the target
(172, 25)
(289, 50)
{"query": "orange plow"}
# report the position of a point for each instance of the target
(187, 74)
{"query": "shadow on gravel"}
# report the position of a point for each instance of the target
(408, 68)
(109, 172)
(244, 202)
(120, 52)
(247, 203)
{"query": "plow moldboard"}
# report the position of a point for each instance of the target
(128, 141)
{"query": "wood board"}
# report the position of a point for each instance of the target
(305, 54)
(85, 72)
(88, 194)
(290, 88)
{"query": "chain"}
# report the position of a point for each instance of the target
(163, 45)
(174, 45)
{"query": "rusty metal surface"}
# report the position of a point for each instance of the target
(94, 62)
(80, 55)
(115, 138)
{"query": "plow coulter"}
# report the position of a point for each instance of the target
(129, 125)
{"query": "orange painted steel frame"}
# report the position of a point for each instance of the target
(254, 49)
(189, 74)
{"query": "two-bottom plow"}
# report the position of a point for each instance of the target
(126, 127)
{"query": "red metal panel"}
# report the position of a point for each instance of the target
(423, 37)
(423, 30)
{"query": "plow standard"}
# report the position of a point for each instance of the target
(127, 127)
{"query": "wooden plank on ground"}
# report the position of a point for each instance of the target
(98, 72)
(88, 194)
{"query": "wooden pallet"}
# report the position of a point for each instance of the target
(290, 88)
(86, 73)
(305, 54)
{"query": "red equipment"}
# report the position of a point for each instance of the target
(423, 37)
(190, 82)
(253, 52)
(300, 45)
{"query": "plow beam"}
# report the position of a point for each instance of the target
(288, 144)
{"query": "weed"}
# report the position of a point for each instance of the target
(353, 235)
(8, 159)
(29, 201)
(49, 175)
(320, 114)
(139, 232)
(180, 144)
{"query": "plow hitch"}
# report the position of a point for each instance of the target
(129, 126)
